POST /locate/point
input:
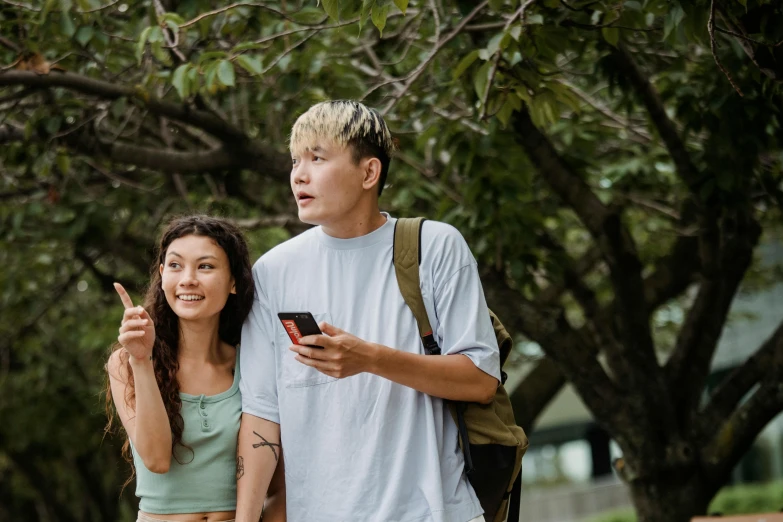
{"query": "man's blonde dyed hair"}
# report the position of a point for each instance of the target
(346, 123)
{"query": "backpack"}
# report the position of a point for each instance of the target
(492, 443)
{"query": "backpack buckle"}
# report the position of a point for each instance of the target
(430, 345)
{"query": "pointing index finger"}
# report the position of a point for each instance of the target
(126, 300)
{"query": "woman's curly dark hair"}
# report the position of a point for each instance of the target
(165, 348)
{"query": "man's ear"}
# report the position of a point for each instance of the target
(372, 173)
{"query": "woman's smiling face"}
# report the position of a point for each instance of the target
(196, 278)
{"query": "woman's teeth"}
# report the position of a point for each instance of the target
(190, 297)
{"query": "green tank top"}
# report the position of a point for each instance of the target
(204, 479)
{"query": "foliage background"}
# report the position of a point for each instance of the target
(594, 153)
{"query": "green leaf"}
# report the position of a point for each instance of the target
(402, 5)
(119, 107)
(210, 78)
(511, 104)
(66, 24)
(379, 14)
(52, 125)
(633, 5)
(142, 43)
(673, 19)
(180, 80)
(481, 78)
(173, 17)
(155, 35)
(250, 63)
(332, 8)
(611, 35)
(212, 55)
(463, 64)
(160, 53)
(47, 7)
(367, 6)
(496, 5)
(535, 19)
(494, 43)
(225, 72)
(244, 46)
(84, 35)
(63, 163)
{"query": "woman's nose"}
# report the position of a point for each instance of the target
(189, 278)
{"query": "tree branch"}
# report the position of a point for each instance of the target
(673, 273)
(686, 170)
(714, 46)
(574, 355)
(536, 391)
(413, 76)
(247, 4)
(688, 367)
(737, 434)
(237, 152)
(731, 391)
(634, 358)
(762, 55)
(112, 91)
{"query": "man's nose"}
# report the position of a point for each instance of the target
(301, 174)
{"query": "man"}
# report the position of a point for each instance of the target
(366, 433)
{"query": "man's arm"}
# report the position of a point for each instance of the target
(453, 377)
(274, 505)
(258, 453)
(469, 369)
(258, 447)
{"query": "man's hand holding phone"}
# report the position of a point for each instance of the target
(336, 353)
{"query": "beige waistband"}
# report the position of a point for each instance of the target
(143, 517)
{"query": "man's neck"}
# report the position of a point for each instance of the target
(355, 226)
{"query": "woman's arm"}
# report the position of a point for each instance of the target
(148, 424)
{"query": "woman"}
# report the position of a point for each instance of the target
(174, 378)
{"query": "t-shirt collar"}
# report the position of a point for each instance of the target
(384, 232)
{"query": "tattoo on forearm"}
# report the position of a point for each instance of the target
(265, 442)
(240, 467)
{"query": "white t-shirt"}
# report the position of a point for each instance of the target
(364, 448)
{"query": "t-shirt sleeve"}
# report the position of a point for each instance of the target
(464, 325)
(257, 359)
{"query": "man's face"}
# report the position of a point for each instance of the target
(326, 182)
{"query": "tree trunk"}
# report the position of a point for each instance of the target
(676, 499)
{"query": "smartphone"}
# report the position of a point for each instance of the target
(298, 325)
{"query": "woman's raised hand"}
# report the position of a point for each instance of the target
(137, 332)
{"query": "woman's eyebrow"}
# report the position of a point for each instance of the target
(208, 256)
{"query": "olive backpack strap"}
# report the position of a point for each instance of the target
(407, 256)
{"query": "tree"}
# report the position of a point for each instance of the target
(598, 155)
